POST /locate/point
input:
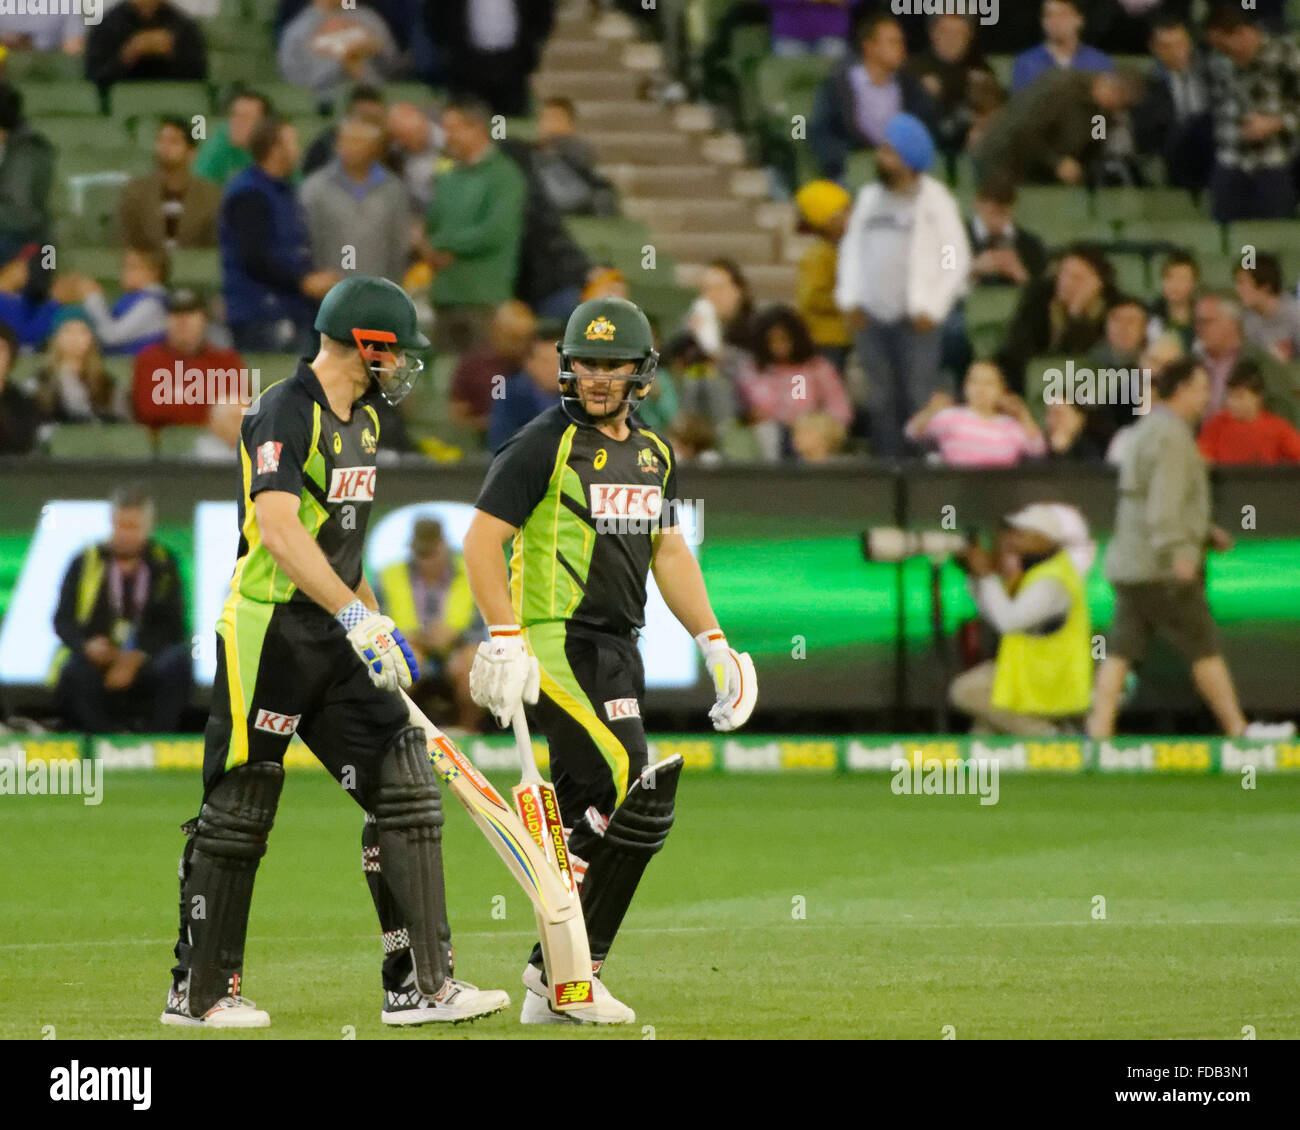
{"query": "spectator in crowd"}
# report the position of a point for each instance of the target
(786, 379)
(1174, 312)
(490, 51)
(31, 317)
(1255, 101)
(1068, 436)
(1062, 47)
(530, 391)
(1064, 311)
(823, 213)
(658, 408)
(20, 417)
(1173, 119)
(1246, 432)
(1155, 561)
(1046, 133)
(1125, 337)
(72, 385)
(139, 40)
(817, 437)
(552, 266)
(356, 209)
(26, 177)
(1004, 254)
(364, 102)
(43, 30)
(121, 617)
(1032, 594)
(327, 44)
(809, 27)
(227, 152)
(474, 228)
(947, 71)
(427, 595)
(566, 165)
(416, 150)
(270, 287)
(169, 207)
(186, 350)
(479, 378)
(1270, 319)
(992, 429)
(706, 354)
(903, 265)
(219, 442)
(139, 317)
(1221, 343)
(854, 106)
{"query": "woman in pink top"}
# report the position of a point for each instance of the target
(787, 378)
(992, 429)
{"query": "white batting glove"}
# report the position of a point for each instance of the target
(733, 678)
(389, 659)
(505, 674)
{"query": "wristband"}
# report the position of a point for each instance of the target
(351, 614)
(710, 640)
(497, 631)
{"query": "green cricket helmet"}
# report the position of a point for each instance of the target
(606, 332)
(378, 317)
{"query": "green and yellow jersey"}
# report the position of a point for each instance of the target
(587, 509)
(292, 441)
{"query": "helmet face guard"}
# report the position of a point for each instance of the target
(638, 383)
(395, 378)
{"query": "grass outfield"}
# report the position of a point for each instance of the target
(921, 912)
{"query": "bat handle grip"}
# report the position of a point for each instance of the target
(524, 746)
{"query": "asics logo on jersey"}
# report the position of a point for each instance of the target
(625, 500)
(352, 484)
(274, 723)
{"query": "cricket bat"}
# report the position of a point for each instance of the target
(554, 895)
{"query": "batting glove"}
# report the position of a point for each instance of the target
(505, 674)
(733, 678)
(389, 659)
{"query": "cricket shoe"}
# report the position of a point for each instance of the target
(604, 1009)
(458, 1001)
(1270, 731)
(228, 1012)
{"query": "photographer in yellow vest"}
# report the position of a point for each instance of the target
(1032, 593)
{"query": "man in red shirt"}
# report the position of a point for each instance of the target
(178, 379)
(1245, 432)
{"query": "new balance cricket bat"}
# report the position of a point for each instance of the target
(560, 925)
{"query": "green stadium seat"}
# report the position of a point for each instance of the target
(177, 441)
(197, 267)
(1053, 212)
(89, 208)
(103, 264)
(41, 67)
(421, 93)
(1035, 384)
(738, 444)
(1126, 205)
(152, 99)
(1002, 66)
(100, 441)
(80, 162)
(787, 86)
(861, 169)
(1281, 237)
(991, 306)
(69, 135)
(230, 67)
(73, 97)
(290, 100)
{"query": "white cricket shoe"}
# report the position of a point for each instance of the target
(228, 1012)
(458, 1001)
(604, 1009)
(1270, 731)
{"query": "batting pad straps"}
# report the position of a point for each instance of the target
(636, 832)
(408, 817)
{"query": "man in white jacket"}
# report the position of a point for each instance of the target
(903, 264)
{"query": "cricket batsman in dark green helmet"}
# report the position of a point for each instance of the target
(588, 498)
(302, 649)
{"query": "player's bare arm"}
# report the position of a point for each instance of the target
(681, 582)
(485, 563)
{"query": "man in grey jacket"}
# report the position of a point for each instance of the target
(1156, 559)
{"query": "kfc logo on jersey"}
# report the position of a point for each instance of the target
(625, 500)
(279, 724)
(352, 484)
(268, 457)
(619, 708)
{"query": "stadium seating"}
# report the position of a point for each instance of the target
(989, 310)
(99, 441)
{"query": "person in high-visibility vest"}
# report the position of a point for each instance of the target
(1032, 593)
(427, 595)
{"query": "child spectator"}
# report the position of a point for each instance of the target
(695, 439)
(787, 379)
(72, 386)
(1270, 319)
(817, 437)
(139, 317)
(566, 165)
(992, 429)
(823, 211)
(1069, 439)
(31, 319)
(1174, 312)
(1245, 431)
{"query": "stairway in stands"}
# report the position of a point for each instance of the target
(675, 171)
